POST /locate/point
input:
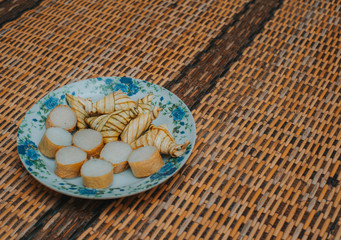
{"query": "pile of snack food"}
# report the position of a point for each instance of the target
(96, 140)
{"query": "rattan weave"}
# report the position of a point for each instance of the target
(266, 164)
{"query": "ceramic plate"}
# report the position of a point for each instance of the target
(174, 113)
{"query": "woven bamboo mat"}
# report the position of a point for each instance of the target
(266, 102)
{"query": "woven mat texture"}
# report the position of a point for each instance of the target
(266, 164)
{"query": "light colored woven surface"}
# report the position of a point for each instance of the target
(266, 164)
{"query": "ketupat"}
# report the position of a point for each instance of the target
(112, 125)
(144, 104)
(110, 136)
(126, 124)
(161, 138)
(138, 125)
(113, 102)
(79, 110)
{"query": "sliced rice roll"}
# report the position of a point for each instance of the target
(62, 116)
(97, 173)
(54, 139)
(145, 161)
(69, 161)
(117, 154)
(89, 140)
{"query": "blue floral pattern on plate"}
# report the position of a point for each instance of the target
(174, 113)
(51, 103)
(127, 86)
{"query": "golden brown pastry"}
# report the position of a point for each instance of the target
(145, 161)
